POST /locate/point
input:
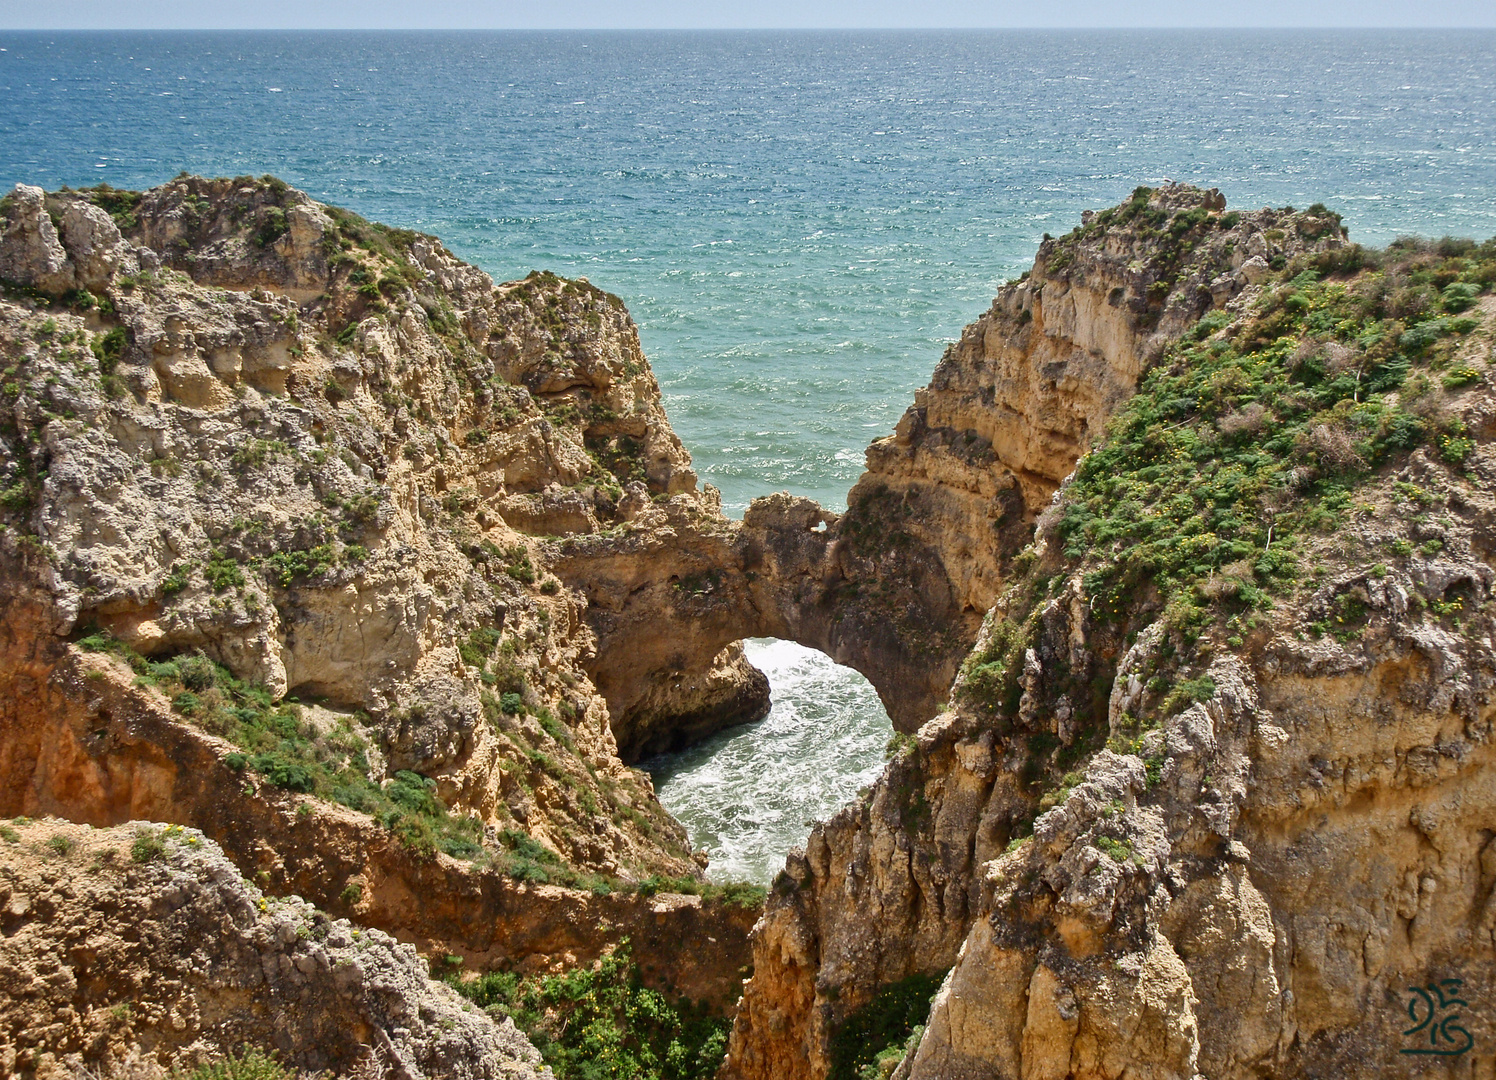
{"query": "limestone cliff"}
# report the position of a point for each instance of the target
(316, 451)
(276, 490)
(140, 950)
(378, 572)
(1211, 792)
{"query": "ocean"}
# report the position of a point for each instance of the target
(798, 221)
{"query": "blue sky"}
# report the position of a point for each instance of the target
(653, 14)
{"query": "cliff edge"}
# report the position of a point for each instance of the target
(276, 488)
(1211, 792)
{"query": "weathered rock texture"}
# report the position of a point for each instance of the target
(1245, 886)
(110, 752)
(238, 425)
(315, 449)
(1157, 831)
(140, 949)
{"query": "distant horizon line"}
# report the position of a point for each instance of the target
(731, 29)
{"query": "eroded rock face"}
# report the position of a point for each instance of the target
(315, 449)
(1312, 845)
(243, 427)
(951, 496)
(346, 466)
(81, 740)
(141, 949)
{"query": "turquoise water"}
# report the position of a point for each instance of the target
(798, 221)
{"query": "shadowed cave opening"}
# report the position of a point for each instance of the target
(747, 794)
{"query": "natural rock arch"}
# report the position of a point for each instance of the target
(664, 612)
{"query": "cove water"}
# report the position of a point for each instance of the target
(799, 222)
(749, 793)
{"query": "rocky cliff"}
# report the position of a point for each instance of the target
(897, 587)
(139, 950)
(315, 451)
(1210, 794)
(277, 488)
(1176, 580)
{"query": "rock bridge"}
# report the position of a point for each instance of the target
(669, 603)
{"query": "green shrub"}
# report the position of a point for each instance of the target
(249, 1064)
(1459, 296)
(602, 1022)
(197, 672)
(175, 581)
(272, 227)
(479, 646)
(899, 744)
(1188, 692)
(884, 1024)
(285, 568)
(992, 675)
(148, 845)
(120, 205)
(517, 564)
(109, 348)
(554, 728)
(273, 740)
(1233, 448)
(1117, 850)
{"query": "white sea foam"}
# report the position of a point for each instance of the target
(747, 794)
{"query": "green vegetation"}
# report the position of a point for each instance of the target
(519, 566)
(479, 646)
(1188, 691)
(120, 205)
(741, 894)
(1240, 455)
(249, 1064)
(1238, 446)
(222, 572)
(257, 453)
(284, 568)
(148, 845)
(618, 460)
(1118, 850)
(1173, 235)
(108, 349)
(899, 744)
(175, 581)
(277, 742)
(350, 231)
(272, 227)
(870, 1042)
(602, 1023)
(526, 859)
(992, 674)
